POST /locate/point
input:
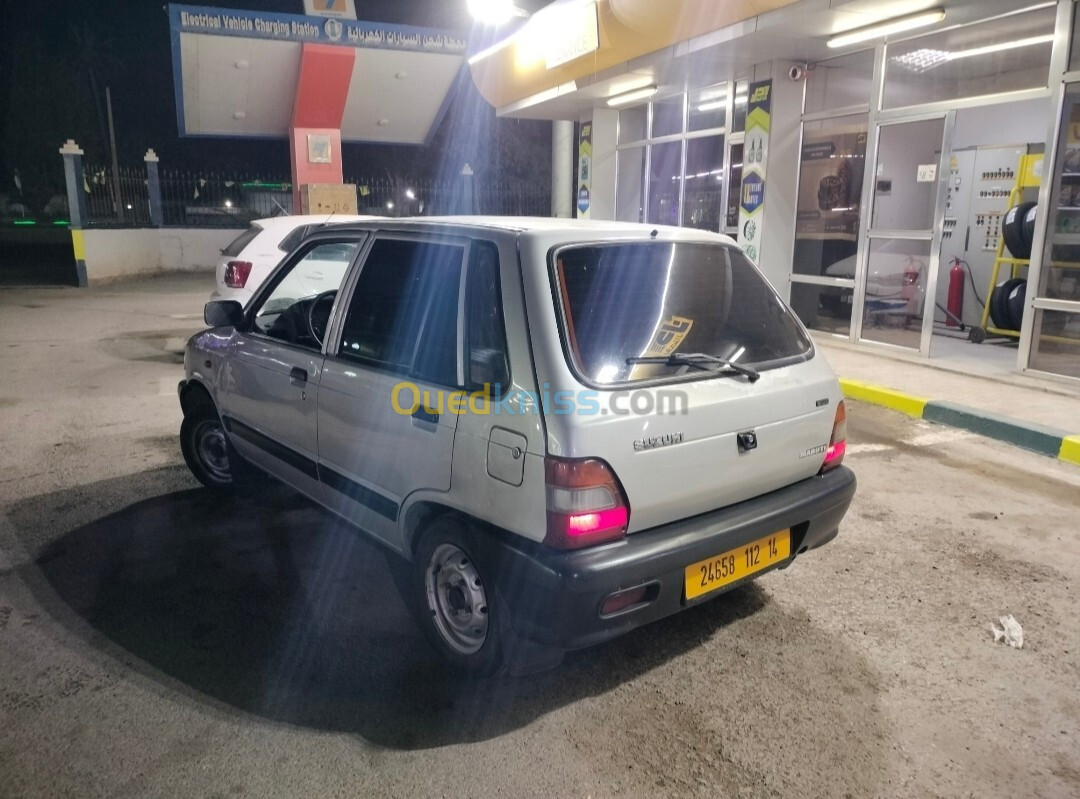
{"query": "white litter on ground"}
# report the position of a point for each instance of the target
(1010, 631)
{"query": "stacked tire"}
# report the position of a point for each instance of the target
(1018, 231)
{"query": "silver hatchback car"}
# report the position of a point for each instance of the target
(564, 429)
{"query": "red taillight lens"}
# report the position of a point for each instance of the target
(834, 455)
(585, 504)
(236, 274)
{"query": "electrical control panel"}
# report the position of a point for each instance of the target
(980, 180)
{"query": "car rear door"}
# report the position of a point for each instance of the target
(384, 425)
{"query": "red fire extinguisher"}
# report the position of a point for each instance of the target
(956, 295)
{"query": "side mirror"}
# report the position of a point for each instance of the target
(223, 313)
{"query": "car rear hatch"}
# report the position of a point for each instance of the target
(687, 434)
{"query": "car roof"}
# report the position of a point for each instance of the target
(540, 227)
(293, 221)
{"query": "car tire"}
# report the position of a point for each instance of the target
(1012, 230)
(456, 601)
(999, 303)
(1027, 228)
(1015, 304)
(206, 448)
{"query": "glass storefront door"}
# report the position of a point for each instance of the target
(1054, 318)
(894, 290)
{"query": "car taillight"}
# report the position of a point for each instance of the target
(585, 504)
(236, 274)
(834, 455)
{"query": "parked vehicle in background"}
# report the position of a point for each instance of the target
(564, 429)
(252, 255)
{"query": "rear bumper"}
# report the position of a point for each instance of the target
(554, 597)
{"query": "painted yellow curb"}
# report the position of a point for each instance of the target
(879, 395)
(78, 245)
(1070, 449)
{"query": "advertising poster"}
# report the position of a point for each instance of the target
(755, 157)
(830, 186)
(584, 170)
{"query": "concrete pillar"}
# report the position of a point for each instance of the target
(73, 176)
(322, 88)
(562, 169)
(153, 188)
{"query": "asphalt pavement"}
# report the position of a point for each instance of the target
(156, 640)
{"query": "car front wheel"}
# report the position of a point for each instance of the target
(207, 451)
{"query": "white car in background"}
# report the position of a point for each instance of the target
(251, 257)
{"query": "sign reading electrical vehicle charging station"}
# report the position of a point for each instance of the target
(755, 157)
(298, 28)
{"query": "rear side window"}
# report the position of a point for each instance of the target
(655, 299)
(404, 311)
(484, 329)
(290, 242)
(237, 245)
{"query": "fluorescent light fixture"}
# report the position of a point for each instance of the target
(643, 93)
(888, 27)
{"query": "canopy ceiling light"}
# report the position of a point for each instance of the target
(888, 27)
(643, 93)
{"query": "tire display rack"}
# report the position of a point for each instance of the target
(998, 299)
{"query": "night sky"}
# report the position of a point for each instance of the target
(46, 96)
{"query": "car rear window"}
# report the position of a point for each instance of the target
(237, 245)
(621, 301)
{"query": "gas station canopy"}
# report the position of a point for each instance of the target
(237, 74)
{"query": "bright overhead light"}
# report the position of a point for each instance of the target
(715, 104)
(888, 27)
(410, 194)
(926, 59)
(643, 93)
(494, 12)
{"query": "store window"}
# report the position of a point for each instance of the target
(704, 183)
(1074, 48)
(831, 168)
(841, 82)
(738, 114)
(665, 183)
(1055, 345)
(630, 189)
(1007, 54)
(632, 124)
(676, 160)
(668, 116)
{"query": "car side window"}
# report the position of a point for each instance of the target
(297, 310)
(484, 329)
(403, 316)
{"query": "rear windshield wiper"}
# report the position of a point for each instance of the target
(699, 359)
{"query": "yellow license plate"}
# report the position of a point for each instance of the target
(715, 572)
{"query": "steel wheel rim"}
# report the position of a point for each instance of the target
(212, 450)
(456, 599)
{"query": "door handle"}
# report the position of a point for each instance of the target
(296, 373)
(424, 415)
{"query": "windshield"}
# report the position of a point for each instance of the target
(625, 301)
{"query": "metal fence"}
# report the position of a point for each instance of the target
(211, 199)
(102, 205)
